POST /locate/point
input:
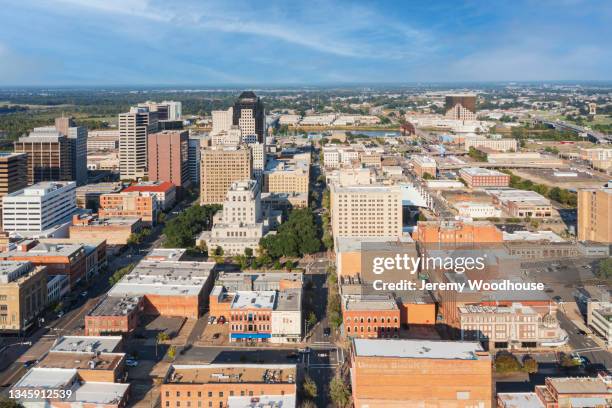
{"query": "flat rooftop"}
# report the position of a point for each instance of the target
(116, 306)
(81, 361)
(46, 249)
(254, 299)
(83, 344)
(519, 196)
(518, 236)
(369, 302)
(479, 171)
(582, 385)
(166, 278)
(288, 300)
(233, 373)
(101, 188)
(100, 392)
(520, 400)
(421, 349)
(42, 189)
(167, 254)
(354, 244)
(55, 378)
(262, 401)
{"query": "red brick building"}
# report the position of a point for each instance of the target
(479, 177)
(370, 316)
(168, 157)
(114, 315)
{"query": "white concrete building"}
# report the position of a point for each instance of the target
(134, 128)
(258, 153)
(240, 224)
(477, 210)
(39, 207)
(286, 317)
(221, 120)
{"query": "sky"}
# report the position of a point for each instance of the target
(295, 42)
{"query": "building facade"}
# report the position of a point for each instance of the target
(49, 155)
(23, 295)
(595, 215)
(168, 153)
(134, 128)
(249, 114)
(222, 166)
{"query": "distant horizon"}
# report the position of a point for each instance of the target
(301, 86)
(238, 42)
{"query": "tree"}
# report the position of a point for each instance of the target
(172, 352)
(530, 365)
(506, 363)
(295, 237)
(181, 231)
(604, 268)
(339, 392)
(312, 319)
(310, 387)
(10, 403)
(248, 252)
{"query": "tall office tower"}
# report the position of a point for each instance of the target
(595, 215)
(168, 157)
(13, 173)
(77, 139)
(222, 120)
(39, 207)
(366, 211)
(258, 151)
(249, 114)
(166, 110)
(194, 158)
(134, 127)
(49, 155)
(222, 166)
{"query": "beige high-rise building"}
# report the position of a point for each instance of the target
(222, 166)
(366, 211)
(23, 295)
(134, 128)
(595, 215)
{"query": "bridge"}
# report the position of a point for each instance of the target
(592, 135)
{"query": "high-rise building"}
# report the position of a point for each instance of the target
(468, 101)
(49, 155)
(413, 373)
(13, 173)
(249, 114)
(77, 140)
(366, 211)
(221, 120)
(134, 128)
(39, 207)
(595, 215)
(194, 158)
(222, 166)
(168, 157)
(23, 295)
(166, 110)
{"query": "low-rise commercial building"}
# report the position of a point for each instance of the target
(456, 232)
(216, 384)
(133, 204)
(164, 192)
(424, 165)
(370, 316)
(406, 373)
(116, 230)
(479, 177)
(499, 144)
(510, 327)
(522, 203)
(60, 259)
(170, 288)
(23, 295)
(88, 196)
(472, 209)
(114, 315)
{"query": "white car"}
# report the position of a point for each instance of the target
(131, 363)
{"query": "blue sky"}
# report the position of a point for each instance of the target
(201, 42)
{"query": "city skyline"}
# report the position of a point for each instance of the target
(140, 42)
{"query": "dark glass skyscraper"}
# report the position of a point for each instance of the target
(249, 114)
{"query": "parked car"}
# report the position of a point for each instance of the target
(326, 332)
(131, 363)
(216, 336)
(211, 319)
(29, 363)
(305, 350)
